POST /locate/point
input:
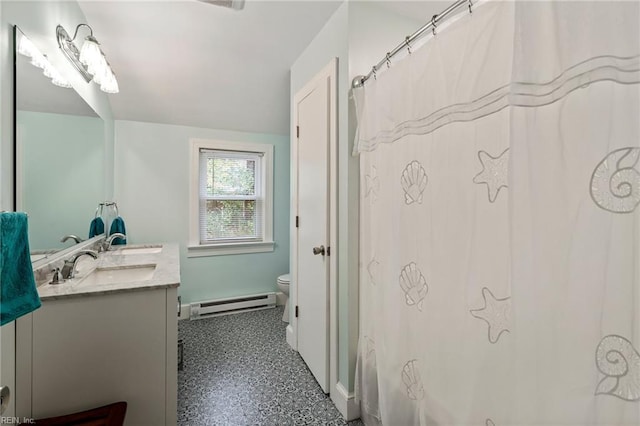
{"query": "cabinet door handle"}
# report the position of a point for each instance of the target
(179, 306)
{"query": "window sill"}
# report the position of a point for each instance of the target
(229, 248)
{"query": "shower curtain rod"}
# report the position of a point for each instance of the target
(358, 81)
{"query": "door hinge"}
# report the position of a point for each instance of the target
(328, 251)
(297, 221)
(297, 131)
(296, 311)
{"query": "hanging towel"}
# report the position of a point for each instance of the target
(96, 227)
(18, 292)
(118, 226)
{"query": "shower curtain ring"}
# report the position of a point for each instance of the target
(433, 24)
(373, 70)
(470, 4)
(388, 60)
(406, 42)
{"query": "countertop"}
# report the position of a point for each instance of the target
(166, 274)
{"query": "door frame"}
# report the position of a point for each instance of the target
(330, 73)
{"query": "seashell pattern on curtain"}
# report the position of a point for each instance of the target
(500, 227)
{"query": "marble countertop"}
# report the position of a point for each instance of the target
(165, 275)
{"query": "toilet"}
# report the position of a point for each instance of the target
(283, 285)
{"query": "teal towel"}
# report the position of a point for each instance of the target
(18, 292)
(118, 226)
(96, 227)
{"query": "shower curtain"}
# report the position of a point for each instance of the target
(500, 227)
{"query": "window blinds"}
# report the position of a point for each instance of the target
(231, 196)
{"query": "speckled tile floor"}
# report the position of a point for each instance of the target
(239, 370)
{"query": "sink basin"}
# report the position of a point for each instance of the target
(140, 250)
(102, 276)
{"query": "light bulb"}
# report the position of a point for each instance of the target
(90, 55)
(100, 71)
(110, 84)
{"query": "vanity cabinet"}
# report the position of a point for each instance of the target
(82, 352)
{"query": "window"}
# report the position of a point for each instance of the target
(231, 198)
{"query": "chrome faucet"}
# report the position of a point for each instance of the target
(108, 242)
(69, 269)
(71, 237)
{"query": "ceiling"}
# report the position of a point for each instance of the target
(191, 63)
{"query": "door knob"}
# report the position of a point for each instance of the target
(318, 250)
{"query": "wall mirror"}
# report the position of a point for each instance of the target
(60, 154)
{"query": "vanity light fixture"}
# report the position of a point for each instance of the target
(89, 60)
(28, 49)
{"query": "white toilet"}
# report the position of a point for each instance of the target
(283, 285)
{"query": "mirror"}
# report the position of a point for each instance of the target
(60, 154)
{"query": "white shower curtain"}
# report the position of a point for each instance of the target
(500, 227)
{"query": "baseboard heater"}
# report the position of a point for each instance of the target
(232, 305)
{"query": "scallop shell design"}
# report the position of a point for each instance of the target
(414, 181)
(414, 285)
(412, 380)
(618, 360)
(615, 182)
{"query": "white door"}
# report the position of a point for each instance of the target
(312, 232)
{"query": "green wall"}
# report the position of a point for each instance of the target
(152, 190)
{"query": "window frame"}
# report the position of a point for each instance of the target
(195, 247)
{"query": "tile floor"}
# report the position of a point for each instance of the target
(239, 370)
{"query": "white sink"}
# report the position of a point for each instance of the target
(140, 250)
(103, 276)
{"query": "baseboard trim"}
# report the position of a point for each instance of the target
(346, 403)
(185, 311)
(281, 299)
(290, 337)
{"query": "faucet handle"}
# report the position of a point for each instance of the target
(57, 277)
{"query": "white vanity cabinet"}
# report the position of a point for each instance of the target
(84, 351)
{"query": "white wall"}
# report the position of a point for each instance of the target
(6, 114)
(152, 190)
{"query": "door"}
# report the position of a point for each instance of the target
(312, 195)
